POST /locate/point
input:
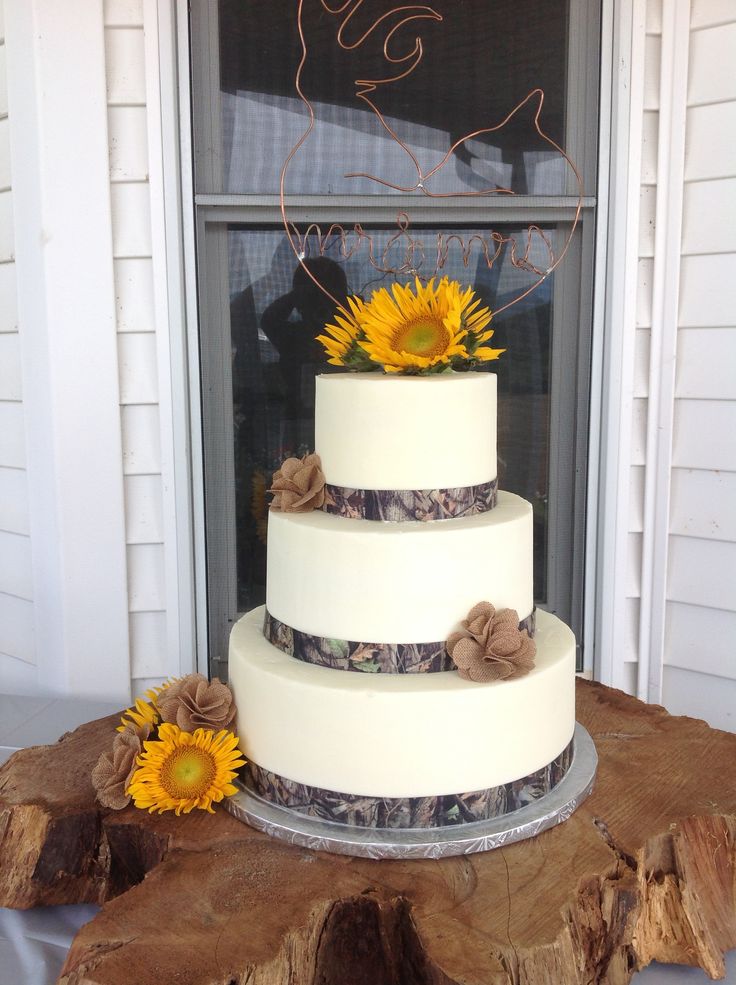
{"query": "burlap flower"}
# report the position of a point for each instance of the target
(491, 647)
(115, 768)
(194, 702)
(299, 485)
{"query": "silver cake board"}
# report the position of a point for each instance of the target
(439, 842)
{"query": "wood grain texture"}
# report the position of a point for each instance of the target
(644, 870)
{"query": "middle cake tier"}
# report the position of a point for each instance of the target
(406, 582)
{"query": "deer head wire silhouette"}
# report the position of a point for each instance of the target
(399, 67)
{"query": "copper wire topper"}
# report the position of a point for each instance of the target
(490, 246)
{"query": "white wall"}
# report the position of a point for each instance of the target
(66, 312)
(104, 496)
(680, 587)
(17, 643)
(699, 673)
(138, 369)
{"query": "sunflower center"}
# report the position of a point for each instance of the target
(425, 336)
(188, 772)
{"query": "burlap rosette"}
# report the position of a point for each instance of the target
(194, 702)
(111, 776)
(490, 646)
(299, 485)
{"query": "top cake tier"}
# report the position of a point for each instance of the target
(406, 432)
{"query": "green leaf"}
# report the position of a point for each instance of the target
(338, 648)
(367, 666)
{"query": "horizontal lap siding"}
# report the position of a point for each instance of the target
(17, 649)
(703, 504)
(700, 659)
(709, 217)
(711, 149)
(705, 362)
(700, 695)
(136, 327)
(699, 656)
(701, 639)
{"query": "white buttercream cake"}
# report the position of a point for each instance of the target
(353, 700)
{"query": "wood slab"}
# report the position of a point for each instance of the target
(644, 870)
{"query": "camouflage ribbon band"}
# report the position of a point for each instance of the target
(406, 812)
(394, 505)
(367, 658)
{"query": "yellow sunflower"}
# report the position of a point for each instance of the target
(475, 320)
(184, 770)
(142, 713)
(408, 330)
(154, 693)
(421, 329)
(145, 712)
(342, 341)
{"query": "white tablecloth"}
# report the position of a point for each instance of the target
(33, 943)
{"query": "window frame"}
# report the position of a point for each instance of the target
(213, 211)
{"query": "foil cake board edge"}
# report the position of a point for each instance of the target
(438, 842)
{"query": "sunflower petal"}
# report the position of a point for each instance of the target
(486, 355)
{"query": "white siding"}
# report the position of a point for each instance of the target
(700, 695)
(705, 362)
(699, 675)
(132, 174)
(130, 194)
(708, 13)
(702, 504)
(700, 639)
(17, 649)
(711, 149)
(711, 78)
(68, 356)
(709, 217)
(707, 291)
(697, 660)
(705, 434)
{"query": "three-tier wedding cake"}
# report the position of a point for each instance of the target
(391, 680)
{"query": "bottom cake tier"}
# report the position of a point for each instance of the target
(421, 749)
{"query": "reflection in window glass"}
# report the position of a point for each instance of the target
(478, 61)
(275, 314)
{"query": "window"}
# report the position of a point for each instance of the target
(350, 188)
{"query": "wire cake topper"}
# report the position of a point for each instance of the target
(400, 66)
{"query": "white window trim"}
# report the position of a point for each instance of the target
(168, 70)
(169, 164)
(663, 344)
(612, 378)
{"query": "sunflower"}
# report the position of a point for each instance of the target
(154, 693)
(145, 712)
(421, 329)
(475, 320)
(343, 338)
(184, 770)
(142, 713)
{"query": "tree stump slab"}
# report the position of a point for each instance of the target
(644, 870)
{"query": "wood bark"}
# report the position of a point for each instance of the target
(645, 869)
